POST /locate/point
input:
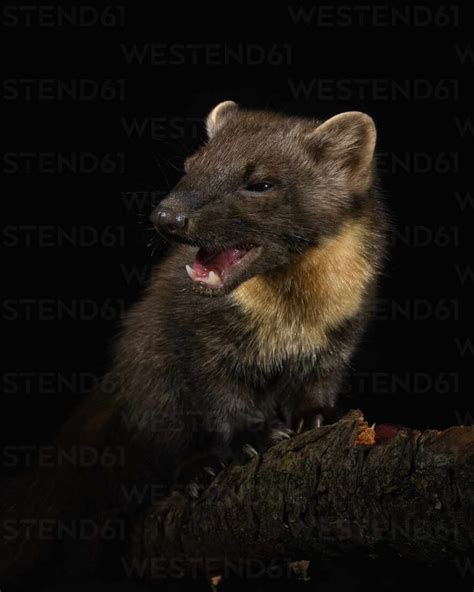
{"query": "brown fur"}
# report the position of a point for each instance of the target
(199, 376)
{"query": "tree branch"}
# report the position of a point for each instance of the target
(330, 490)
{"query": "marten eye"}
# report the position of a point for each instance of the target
(259, 187)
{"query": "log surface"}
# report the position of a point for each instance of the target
(327, 491)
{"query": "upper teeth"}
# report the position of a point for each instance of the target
(191, 272)
(212, 279)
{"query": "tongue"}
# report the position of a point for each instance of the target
(207, 261)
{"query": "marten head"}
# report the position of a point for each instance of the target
(264, 189)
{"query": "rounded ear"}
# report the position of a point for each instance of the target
(347, 143)
(219, 115)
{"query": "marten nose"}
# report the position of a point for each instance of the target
(169, 221)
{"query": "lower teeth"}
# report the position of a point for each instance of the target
(213, 279)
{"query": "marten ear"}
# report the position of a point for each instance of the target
(346, 143)
(219, 115)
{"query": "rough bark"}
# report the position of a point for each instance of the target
(327, 491)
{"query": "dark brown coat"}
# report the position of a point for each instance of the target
(205, 374)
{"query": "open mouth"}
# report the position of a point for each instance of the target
(213, 271)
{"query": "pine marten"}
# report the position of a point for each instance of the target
(245, 330)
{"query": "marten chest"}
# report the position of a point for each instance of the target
(289, 315)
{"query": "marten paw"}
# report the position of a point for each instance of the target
(196, 475)
(201, 476)
(279, 434)
(258, 445)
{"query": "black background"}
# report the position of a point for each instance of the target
(410, 69)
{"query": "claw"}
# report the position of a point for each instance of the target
(210, 470)
(193, 489)
(249, 451)
(279, 435)
(318, 420)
